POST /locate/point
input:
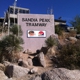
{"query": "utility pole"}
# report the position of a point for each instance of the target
(8, 21)
(18, 26)
(3, 23)
(15, 2)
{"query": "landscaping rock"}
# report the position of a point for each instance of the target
(52, 51)
(2, 67)
(42, 59)
(3, 76)
(20, 62)
(34, 70)
(19, 71)
(30, 63)
(16, 71)
(9, 71)
(23, 63)
(61, 74)
(72, 38)
(6, 63)
(36, 78)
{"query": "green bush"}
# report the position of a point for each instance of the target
(50, 41)
(9, 44)
(58, 30)
(16, 30)
(76, 23)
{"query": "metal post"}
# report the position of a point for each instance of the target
(14, 15)
(14, 10)
(8, 22)
(3, 23)
(18, 24)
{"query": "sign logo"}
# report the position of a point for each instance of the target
(41, 33)
(33, 33)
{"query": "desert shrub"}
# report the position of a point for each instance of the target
(50, 41)
(72, 33)
(58, 30)
(16, 30)
(9, 44)
(69, 56)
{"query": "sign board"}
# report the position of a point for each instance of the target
(36, 29)
(34, 34)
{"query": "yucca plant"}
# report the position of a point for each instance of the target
(11, 43)
(16, 30)
(50, 41)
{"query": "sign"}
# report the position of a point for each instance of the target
(36, 21)
(36, 29)
(33, 33)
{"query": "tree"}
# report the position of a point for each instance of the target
(76, 23)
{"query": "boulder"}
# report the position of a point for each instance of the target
(6, 63)
(3, 76)
(23, 63)
(52, 51)
(16, 71)
(2, 67)
(11, 79)
(9, 71)
(61, 74)
(19, 71)
(30, 63)
(72, 38)
(34, 70)
(36, 78)
(42, 59)
(20, 62)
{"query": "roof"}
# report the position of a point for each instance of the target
(63, 25)
(59, 20)
(18, 7)
(1, 19)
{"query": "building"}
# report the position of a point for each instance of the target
(1, 21)
(11, 14)
(42, 25)
(59, 21)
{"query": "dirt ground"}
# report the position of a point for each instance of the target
(49, 66)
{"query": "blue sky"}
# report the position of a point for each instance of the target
(67, 9)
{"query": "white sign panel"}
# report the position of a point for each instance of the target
(33, 33)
